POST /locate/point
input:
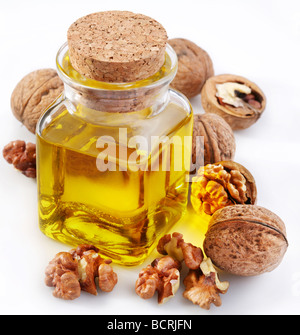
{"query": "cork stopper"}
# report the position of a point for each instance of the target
(117, 46)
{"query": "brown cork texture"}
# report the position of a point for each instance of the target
(117, 46)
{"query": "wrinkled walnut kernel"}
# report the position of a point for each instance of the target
(81, 249)
(175, 247)
(75, 271)
(88, 265)
(107, 278)
(203, 288)
(147, 283)
(171, 246)
(62, 273)
(22, 156)
(220, 185)
(162, 276)
(67, 287)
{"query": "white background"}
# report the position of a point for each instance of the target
(256, 39)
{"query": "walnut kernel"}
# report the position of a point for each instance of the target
(222, 184)
(162, 276)
(23, 157)
(67, 287)
(203, 286)
(238, 100)
(107, 278)
(88, 265)
(62, 273)
(75, 271)
(175, 247)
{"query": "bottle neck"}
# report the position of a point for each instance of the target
(93, 99)
(95, 105)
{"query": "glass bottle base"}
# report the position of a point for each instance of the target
(127, 241)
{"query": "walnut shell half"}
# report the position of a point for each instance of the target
(33, 94)
(240, 117)
(246, 240)
(218, 137)
(194, 67)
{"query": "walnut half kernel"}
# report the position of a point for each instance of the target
(22, 156)
(220, 185)
(202, 284)
(162, 276)
(176, 247)
(203, 287)
(75, 271)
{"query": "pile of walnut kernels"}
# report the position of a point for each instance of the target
(79, 269)
(241, 237)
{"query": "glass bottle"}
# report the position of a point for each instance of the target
(113, 161)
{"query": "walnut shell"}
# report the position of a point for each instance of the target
(219, 140)
(246, 240)
(194, 67)
(33, 94)
(236, 117)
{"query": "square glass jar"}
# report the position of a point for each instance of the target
(113, 161)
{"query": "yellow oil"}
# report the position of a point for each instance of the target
(192, 226)
(67, 68)
(123, 213)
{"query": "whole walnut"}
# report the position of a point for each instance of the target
(194, 67)
(246, 240)
(218, 137)
(33, 94)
